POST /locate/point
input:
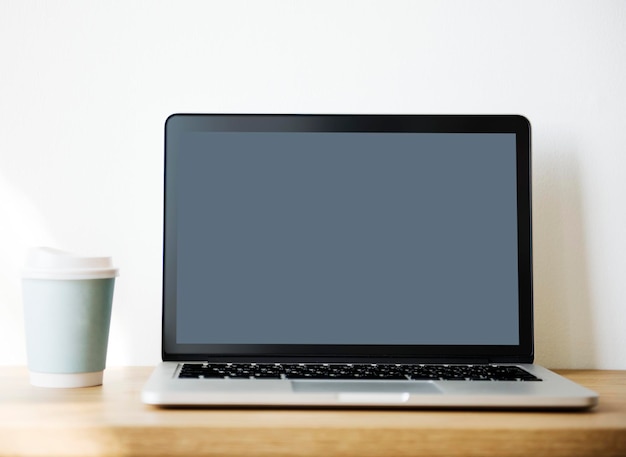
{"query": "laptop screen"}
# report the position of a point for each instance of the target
(283, 235)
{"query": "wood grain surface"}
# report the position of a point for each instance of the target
(110, 420)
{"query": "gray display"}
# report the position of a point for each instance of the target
(347, 238)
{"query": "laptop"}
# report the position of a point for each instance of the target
(350, 261)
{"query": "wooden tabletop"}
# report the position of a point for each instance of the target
(111, 421)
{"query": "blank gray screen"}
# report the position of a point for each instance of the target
(347, 238)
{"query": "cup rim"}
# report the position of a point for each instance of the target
(49, 263)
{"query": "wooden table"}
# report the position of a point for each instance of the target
(111, 421)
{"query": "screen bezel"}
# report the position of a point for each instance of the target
(178, 124)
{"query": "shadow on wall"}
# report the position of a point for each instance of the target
(22, 227)
(564, 330)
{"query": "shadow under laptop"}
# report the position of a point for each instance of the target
(375, 409)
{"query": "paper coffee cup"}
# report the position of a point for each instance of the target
(67, 312)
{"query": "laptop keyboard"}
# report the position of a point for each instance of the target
(355, 371)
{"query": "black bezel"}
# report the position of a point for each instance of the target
(177, 124)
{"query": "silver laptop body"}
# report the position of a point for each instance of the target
(350, 261)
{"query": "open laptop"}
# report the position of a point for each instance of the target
(350, 260)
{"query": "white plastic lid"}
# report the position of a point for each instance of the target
(48, 263)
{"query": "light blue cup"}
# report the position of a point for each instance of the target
(67, 313)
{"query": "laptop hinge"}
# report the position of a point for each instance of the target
(300, 359)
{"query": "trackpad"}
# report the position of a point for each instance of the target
(349, 387)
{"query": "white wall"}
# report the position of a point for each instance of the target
(86, 86)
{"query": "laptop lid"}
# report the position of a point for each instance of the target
(352, 238)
